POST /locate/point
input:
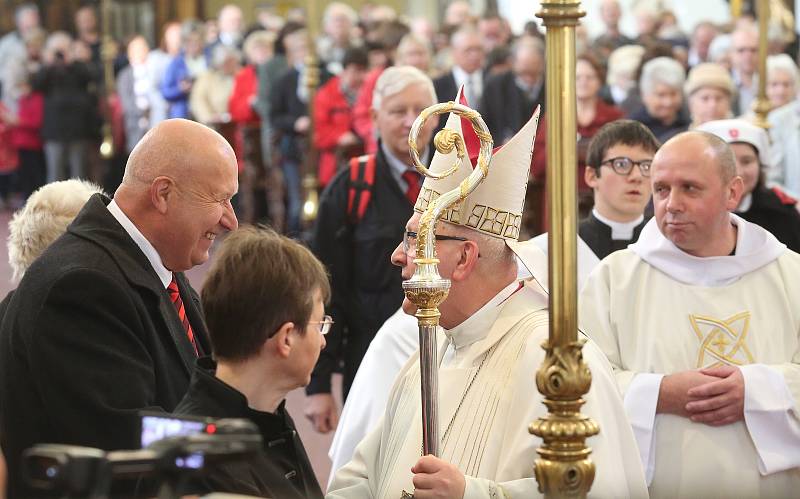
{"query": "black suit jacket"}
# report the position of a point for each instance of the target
(446, 89)
(505, 108)
(89, 338)
(286, 107)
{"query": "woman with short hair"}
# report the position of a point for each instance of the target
(661, 86)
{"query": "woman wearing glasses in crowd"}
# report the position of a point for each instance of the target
(263, 301)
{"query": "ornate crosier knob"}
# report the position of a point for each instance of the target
(427, 289)
(446, 141)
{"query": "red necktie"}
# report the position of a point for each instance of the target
(175, 296)
(412, 179)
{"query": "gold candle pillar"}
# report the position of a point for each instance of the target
(107, 53)
(736, 9)
(564, 468)
(311, 70)
(761, 106)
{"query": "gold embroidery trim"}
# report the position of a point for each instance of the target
(723, 343)
(483, 218)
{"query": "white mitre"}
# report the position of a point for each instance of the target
(495, 207)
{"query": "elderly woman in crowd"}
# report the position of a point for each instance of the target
(709, 90)
(208, 101)
(783, 80)
(45, 216)
(661, 87)
(622, 66)
(782, 87)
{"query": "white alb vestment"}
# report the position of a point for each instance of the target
(487, 398)
(388, 352)
(655, 310)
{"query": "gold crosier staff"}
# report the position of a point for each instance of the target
(310, 161)
(107, 54)
(761, 106)
(427, 289)
(563, 468)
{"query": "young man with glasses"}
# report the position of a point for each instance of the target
(618, 171)
(267, 326)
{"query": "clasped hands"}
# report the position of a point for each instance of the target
(712, 396)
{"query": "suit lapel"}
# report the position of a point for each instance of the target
(96, 224)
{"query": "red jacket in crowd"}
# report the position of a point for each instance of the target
(26, 134)
(333, 117)
(245, 87)
(362, 111)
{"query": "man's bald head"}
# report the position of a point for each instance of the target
(177, 190)
(179, 149)
(719, 151)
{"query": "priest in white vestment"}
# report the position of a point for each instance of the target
(701, 320)
(493, 326)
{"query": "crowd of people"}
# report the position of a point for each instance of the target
(686, 248)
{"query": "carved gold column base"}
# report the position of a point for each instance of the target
(564, 469)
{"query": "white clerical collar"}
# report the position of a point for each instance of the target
(745, 203)
(755, 247)
(619, 230)
(478, 325)
(148, 249)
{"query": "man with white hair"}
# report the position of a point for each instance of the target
(494, 323)
(361, 215)
(701, 321)
(661, 86)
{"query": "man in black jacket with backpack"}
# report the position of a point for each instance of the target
(362, 215)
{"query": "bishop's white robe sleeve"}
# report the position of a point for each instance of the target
(639, 390)
(352, 481)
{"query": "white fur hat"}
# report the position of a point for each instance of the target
(738, 130)
(495, 206)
